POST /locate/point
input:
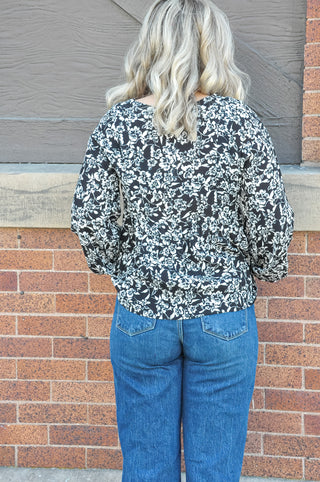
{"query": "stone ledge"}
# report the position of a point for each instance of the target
(17, 474)
(40, 195)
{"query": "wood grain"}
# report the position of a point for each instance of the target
(58, 58)
(44, 141)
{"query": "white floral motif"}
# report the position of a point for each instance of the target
(199, 220)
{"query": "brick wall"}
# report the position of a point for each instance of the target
(56, 392)
(57, 398)
(311, 103)
(57, 406)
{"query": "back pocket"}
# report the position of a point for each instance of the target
(226, 326)
(132, 324)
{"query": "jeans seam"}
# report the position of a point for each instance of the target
(180, 330)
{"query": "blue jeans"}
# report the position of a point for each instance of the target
(200, 371)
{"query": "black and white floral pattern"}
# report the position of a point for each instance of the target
(199, 219)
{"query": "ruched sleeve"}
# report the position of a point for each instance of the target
(268, 218)
(96, 205)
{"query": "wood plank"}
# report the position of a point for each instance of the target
(44, 141)
(277, 99)
(275, 29)
(136, 9)
(58, 58)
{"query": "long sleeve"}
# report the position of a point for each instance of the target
(96, 205)
(268, 217)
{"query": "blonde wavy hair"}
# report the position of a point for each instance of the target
(184, 46)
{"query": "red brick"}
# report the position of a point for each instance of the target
(25, 347)
(26, 303)
(7, 456)
(260, 307)
(52, 325)
(102, 415)
(311, 126)
(298, 243)
(8, 413)
(311, 102)
(313, 9)
(8, 281)
(290, 400)
(313, 31)
(253, 443)
(8, 238)
(310, 150)
(24, 390)
(304, 265)
(101, 284)
(312, 379)
(81, 348)
(90, 392)
(257, 402)
(23, 434)
(51, 369)
(261, 466)
(35, 238)
(280, 331)
(278, 377)
(24, 260)
(7, 368)
(104, 459)
(312, 424)
(312, 333)
(313, 287)
(83, 435)
(52, 413)
(60, 457)
(100, 370)
(71, 260)
(54, 282)
(275, 422)
(92, 304)
(314, 242)
(312, 59)
(312, 469)
(99, 326)
(311, 79)
(295, 309)
(292, 355)
(292, 446)
(7, 325)
(288, 287)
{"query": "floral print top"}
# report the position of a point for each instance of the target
(183, 227)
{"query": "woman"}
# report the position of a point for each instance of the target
(193, 175)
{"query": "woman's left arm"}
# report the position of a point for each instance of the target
(96, 205)
(267, 215)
